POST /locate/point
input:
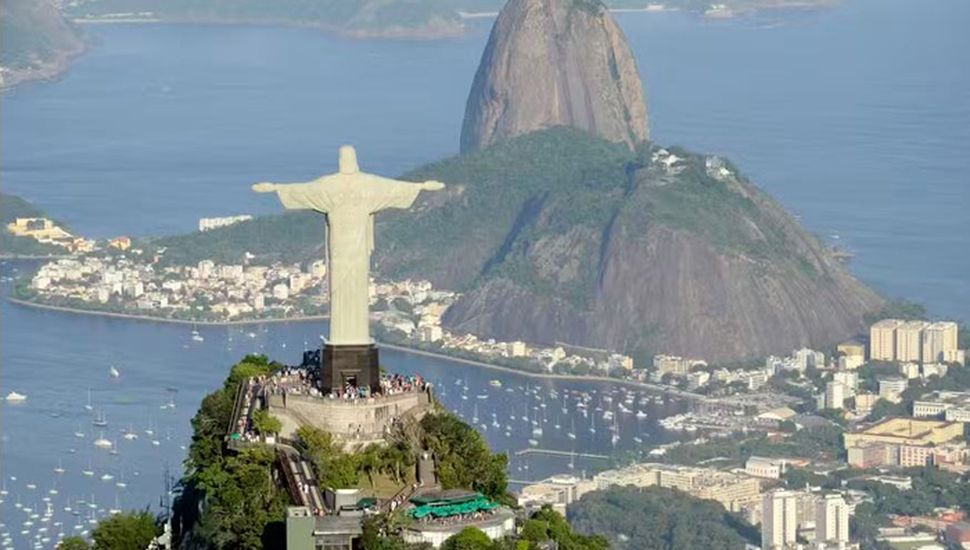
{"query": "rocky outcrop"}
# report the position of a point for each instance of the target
(555, 63)
(557, 236)
(36, 42)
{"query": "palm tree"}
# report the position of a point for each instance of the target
(370, 461)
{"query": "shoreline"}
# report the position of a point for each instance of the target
(545, 376)
(138, 317)
(395, 347)
(429, 32)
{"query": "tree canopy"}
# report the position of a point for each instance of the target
(125, 531)
(659, 519)
(464, 459)
(243, 507)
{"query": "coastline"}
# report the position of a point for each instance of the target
(545, 376)
(427, 32)
(46, 71)
(395, 347)
(137, 317)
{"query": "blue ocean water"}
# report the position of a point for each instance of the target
(855, 118)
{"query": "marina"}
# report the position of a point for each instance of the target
(110, 439)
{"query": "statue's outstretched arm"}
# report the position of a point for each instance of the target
(297, 196)
(401, 194)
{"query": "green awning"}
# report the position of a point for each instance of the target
(479, 504)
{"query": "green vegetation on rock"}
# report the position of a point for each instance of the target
(556, 234)
(659, 519)
(229, 499)
(463, 457)
(125, 531)
(821, 443)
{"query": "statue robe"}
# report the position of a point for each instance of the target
(350, 202)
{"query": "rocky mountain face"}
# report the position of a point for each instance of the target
(555, 63)
(35, 40)
(558, 236)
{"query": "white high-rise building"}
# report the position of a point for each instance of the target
(832, 520)
(779, 519)
(939, 341)
(882, 340)
(909, 340)
(834, 395)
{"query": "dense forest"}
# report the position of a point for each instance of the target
(659, 519)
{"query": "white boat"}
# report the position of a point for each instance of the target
(641, 414)
(15, 397)
(103, 443)
(130, 434)
(495, 383)
(89, 406)
(107, 477)
(115, 373)
(198, 337)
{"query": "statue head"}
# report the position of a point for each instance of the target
(348, 160)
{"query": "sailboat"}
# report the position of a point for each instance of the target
(475, 414)
(572, 431)
(79, 434)
(89, 407)
(115, 373)
(100, 420)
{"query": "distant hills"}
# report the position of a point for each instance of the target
(364, 18)
(35, 40)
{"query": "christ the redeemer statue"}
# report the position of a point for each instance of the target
(349, 199)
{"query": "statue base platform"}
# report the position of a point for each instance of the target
(356, 365)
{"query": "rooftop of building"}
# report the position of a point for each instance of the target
(905, 428)
(949, 397)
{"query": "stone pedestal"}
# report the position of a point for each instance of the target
(356, 365)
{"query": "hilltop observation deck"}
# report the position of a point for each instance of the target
(354, 415)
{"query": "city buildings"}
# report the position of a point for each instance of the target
(835, 392)
(771, 468)
(915, 341)
(675, 365)
(909, 340)
(779, 520)
(882, 340)
(733, 491)
(556, 491)
(46, 231)
(891, 389)
(906, 442)
(832, 520)
(208, 224)
(951, 406)
(940, 342)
